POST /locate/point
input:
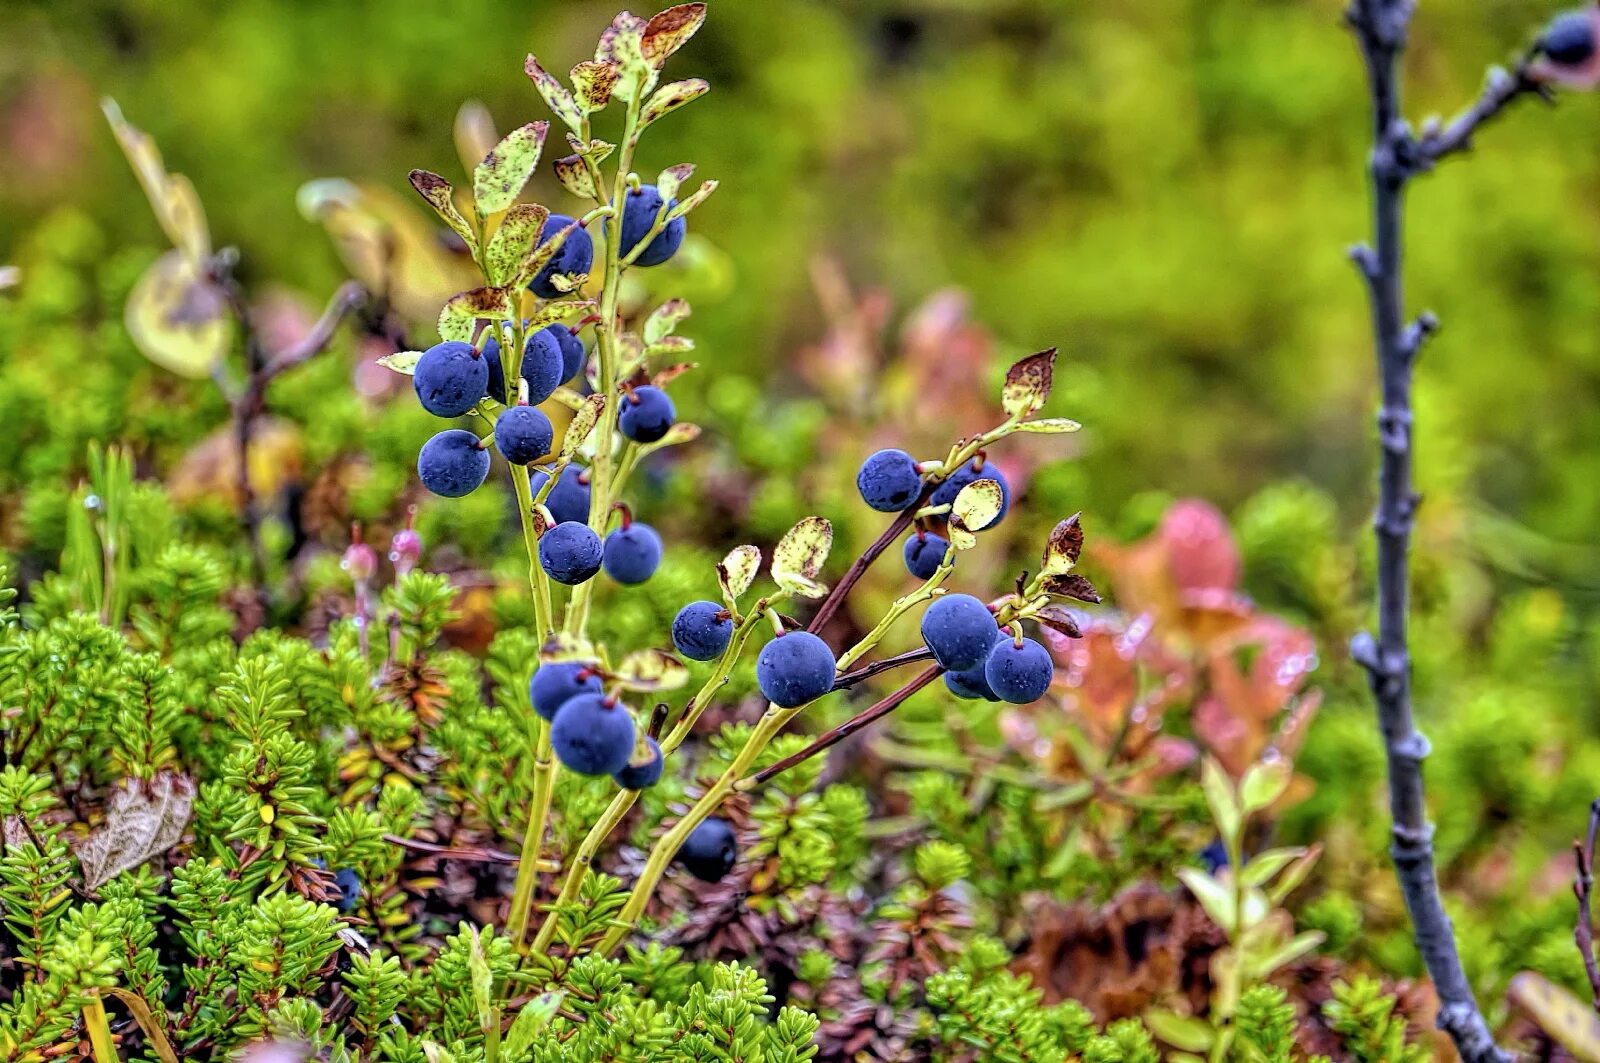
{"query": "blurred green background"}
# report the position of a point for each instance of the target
(1163, 188)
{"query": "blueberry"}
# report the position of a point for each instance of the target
(449, 378)
(1214, 857)
(959, 630)
(701, 630)
(889, 481)
(541, 368)
(575, 256)
(523, 434)
(639, 217)
(554, 684)
(710, 850)
(632, 553)
(453, 463)
(1569, 38)
(641, 776)
(570, 553)
(1019, 672)
(970, 684)
(593, 735)
(646, 414)
(925, 552)
(572, 352)
(348, 883)
(946, 492)
(794, 668)
(569, 498)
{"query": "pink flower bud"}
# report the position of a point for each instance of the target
(360, 560)
(405, 549)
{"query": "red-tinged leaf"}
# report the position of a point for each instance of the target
(441, 197)
(1059, 618)
(1028, 384)
(1071, 585)
(555, 94)
(1062, 550)
(669, 30)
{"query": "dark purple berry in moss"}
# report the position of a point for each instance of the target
(889, 481)
(593, 735)
(348, 883)
(632, 553)
(576, 256)
(523, 434)
(945, 493)
(925, 552)
(639, 211)
(453, 463)
(710, 850)
(449, 378)
(794, 668)
(1569, 39)
(556, 683)
(701, 630)
(959, 629)
(570, 553)
(569, 498)
(645, 773)
(541, 368)
(1019, 672)
(647, 413)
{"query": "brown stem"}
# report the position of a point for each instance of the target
(861, 675)
(858, 568)
(829, 739)
(1583, 889)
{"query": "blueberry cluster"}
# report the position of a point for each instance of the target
(591, 731)
(891, 481)
(979, 659)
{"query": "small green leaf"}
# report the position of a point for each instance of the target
(441, 197)
(671, 178)
(1264, 865)
(800, 555)
(461, 313)
(977, 505)
(1264, 783)
(738, 570)
(650, 671)
(1262, 966)
(1049, 426)
(678, 434)
(1028, 384)
(664, 320)
(534, 1016)
(1064, 546)
(500, 177)
(622, 45)
(177, 318)
(592, 84)
(670, 97)
(575, 177)
(669, 30)
(1180, 1031)
(1296, 873)
(582, 424)
(403, 362)
(684, 206)
(1224, 802)
(1215, 897)
(482, 981)
(560, 310)
(555, 94)
(513, 242)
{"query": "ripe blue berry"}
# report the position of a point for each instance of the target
(593, 735)
(554, 684)
(541, 368)
(946, 492)
(1569, 39)
(575, 256)
(569, 498)
(1019, 672)
(641, 775)
(632, 553)
(348, 883)
(701, 630)
(794, 668)
(449, 378)
(970, 684)
(523, 434)
(646, 414)
(710, 850)
(572, 352)
(639, 217)
(453, 463)
(889, 481)
(570, 553)
(959, 630)
(925, 552)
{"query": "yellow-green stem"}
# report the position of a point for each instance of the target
(99, 1028)
(544, 777)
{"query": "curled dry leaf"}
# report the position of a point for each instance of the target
(650, 670)
(458, 319)
(1028, 384)
(738, 570)
(583, 422)
(799, 556)
(144, 818)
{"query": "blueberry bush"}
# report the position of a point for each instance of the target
(404, 701)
